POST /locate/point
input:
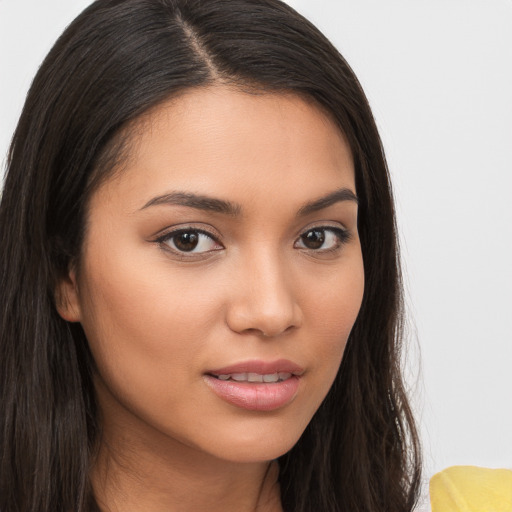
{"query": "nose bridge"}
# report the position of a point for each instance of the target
(265, 300)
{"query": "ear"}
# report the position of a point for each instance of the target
(67, 299)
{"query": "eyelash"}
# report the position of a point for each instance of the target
(164, 241)
(342, 237)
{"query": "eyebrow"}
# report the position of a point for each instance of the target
(212, 204)
(199, 202)
(342, 194)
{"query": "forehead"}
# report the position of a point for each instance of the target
(221, 141)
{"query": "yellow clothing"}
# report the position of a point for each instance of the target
(471, 489)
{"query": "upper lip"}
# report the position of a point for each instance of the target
(260, 367)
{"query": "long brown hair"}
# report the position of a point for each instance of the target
(115, 61)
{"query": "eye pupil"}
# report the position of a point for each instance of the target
(186, 241)
(314, 239)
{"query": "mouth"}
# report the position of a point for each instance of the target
(258, 371)
(256, 385)
(254, 377)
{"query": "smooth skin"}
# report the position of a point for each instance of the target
(261, 269)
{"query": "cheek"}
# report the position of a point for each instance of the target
(148, 325)
(332, 311)
(334, 305)
(148, 342)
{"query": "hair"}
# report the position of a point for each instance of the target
(116, 61)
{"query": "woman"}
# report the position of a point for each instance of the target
(200, 284)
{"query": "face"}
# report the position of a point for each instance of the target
(221, 273)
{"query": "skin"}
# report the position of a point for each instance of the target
(158, 319)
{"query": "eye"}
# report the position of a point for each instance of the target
(322, 239)
(191, 241)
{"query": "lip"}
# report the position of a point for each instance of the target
(256, 396)
(262, 367)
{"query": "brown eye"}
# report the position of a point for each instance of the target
(313, 239)
(186, 241)
(190, 241)
(322, 239)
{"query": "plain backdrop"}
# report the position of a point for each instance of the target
(438, 74)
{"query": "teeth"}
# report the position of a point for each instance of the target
(256, 377)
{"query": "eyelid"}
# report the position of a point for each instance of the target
(173, 230)
(343, 235)
(341, 232)
(166, 235)
(334, 226)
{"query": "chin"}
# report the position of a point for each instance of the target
(257, 444)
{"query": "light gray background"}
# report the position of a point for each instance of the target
(438, 74)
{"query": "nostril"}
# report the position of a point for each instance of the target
(268, 333)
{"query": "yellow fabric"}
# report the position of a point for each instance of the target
(471, 489)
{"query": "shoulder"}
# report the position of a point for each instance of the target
(471, 489)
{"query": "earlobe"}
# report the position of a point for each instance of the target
(67, 300)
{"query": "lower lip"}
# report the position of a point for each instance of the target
(255, 396)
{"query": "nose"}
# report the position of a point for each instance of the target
(263, 299)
